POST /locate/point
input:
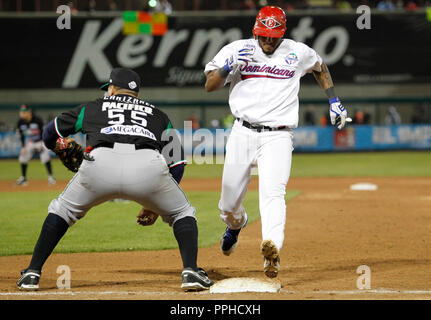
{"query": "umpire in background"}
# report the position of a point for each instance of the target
(125, 138)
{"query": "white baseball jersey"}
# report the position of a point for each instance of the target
(265, 91)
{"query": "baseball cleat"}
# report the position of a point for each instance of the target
(195, 280)
(22, 181)
(51, 180)
(29, 280)
(230, 240)
(271, 257)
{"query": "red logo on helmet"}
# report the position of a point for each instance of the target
(270, 23)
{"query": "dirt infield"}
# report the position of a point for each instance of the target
(330, 231)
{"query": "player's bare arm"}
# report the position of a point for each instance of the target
(337, 112)
(214, 81)
(324, 80)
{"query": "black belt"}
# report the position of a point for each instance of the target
(111, 145)
(260, 128)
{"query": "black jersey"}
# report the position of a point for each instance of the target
(30, 130)
(119, 118)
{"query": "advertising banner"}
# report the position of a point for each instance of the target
(363, 138)
(393, 47)
(212, 142)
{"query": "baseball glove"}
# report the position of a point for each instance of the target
(146, 217)
(70, 153)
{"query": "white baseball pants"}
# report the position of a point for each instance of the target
(30, 149)
(271, 152)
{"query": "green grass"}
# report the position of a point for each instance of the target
(112, 225)
(108, 227)
(361, 164)
(402, 163)
(10, 170)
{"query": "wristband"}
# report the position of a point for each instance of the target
(330, 93)
(223, 72)
(331, 101)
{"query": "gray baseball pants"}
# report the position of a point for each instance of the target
(123, 172)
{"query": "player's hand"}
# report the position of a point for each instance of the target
(146, 217)
(87, 155)
(240, 58)
(337, 113)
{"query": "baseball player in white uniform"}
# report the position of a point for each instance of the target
(264, 76)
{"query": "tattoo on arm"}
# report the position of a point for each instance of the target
(214, 81)
(324, 80)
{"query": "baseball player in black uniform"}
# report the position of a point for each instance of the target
(30, 130)
(126, 139)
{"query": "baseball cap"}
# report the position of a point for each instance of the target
(24, 108)
(123, 78)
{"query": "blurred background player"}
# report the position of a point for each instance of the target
(30, 129)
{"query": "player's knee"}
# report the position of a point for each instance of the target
(170, 219)
(45, 159)
(275, 190)
(60, 208)
(22, 160)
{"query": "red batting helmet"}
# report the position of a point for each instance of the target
(270, 22)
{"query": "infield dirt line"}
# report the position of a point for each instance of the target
(119, 292)
(74, 293)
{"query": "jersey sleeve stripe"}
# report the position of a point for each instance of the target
(177, 163)
(56, 128)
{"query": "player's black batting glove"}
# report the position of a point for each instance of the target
(337, 113)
